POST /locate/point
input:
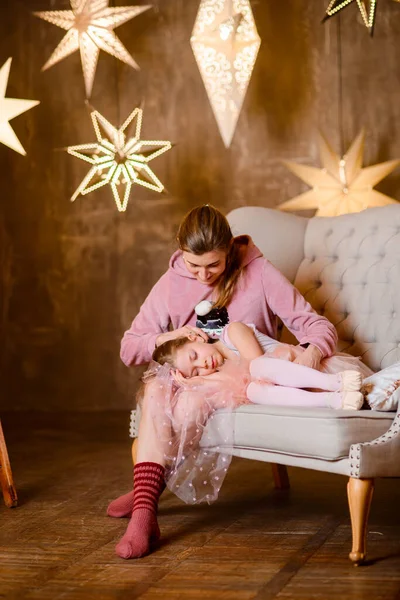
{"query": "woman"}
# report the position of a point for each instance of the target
(231, 272)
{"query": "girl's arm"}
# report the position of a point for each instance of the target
(244, 340)
(214, 378)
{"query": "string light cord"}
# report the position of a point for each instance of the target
(340, 85)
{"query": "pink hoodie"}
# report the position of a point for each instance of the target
(262, 294)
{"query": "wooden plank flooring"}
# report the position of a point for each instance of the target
(253, 544)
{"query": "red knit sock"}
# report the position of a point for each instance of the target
(143, 528)
(122, 506)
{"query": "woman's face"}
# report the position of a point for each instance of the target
(206, 267)
(198, 359)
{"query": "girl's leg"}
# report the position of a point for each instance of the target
(292, 375)
(261, 393)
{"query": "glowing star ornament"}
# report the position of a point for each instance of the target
(367, 10)
(225, 43)
(10, 108)
(342, 185)
(119, 159)
(89, 27)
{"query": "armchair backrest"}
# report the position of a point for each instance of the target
(347, 267)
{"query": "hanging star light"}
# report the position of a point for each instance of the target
(342, 185)
(119, 159)
(89, 27)
(367, 12)
(10, 108)
(225, 43)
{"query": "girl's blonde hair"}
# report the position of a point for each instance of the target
(166, 352)
(205, 229)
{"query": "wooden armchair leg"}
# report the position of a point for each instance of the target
(6, 480)
(281, 477)
(359, 492)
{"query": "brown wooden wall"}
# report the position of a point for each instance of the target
(74, 275)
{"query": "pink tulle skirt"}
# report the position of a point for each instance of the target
(340, 361)
(180, 414)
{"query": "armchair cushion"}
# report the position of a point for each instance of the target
(304, 432)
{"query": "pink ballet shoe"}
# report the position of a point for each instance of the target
(351, 381)
(352, 400)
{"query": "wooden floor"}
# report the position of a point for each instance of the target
(254, 543)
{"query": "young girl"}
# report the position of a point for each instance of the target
(244, 366)
(339, 381)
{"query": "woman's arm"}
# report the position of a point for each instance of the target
(311, 357)
(150, 328)
(139, 340)
(299, 316)
(244, 340)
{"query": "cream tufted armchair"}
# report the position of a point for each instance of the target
(348, 268)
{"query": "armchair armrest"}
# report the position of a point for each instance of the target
(380, 457)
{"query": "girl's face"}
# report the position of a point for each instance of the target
(206, 267)
(198, 359)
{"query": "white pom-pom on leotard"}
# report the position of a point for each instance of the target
(203, 308)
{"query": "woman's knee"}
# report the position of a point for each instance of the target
(190, 409)
(152, 397)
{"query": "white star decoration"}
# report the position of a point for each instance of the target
(89, 27)
(10, 108)
(367, 10)
(119, 159)
(342, 185)
(225, 43)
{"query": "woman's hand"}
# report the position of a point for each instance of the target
(194, 333)
(311, 357)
